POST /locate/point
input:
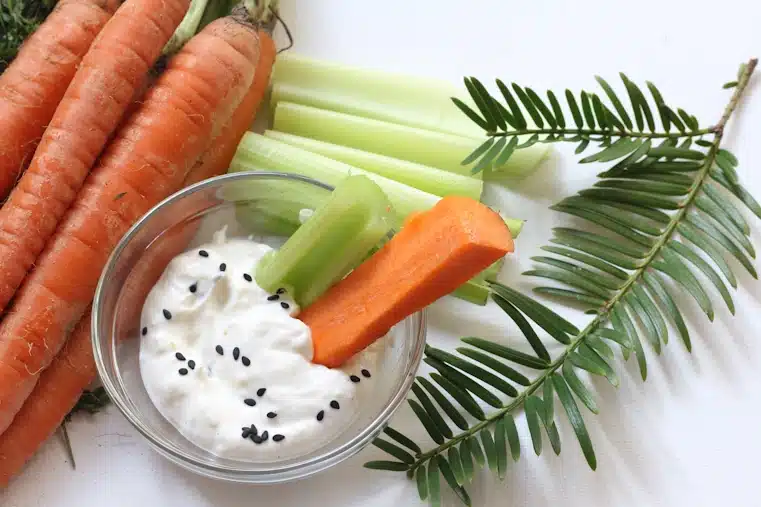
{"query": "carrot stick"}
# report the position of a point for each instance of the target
(56, 393)
(35, 82)
(148, 160)
(89, 112)
(73, 369)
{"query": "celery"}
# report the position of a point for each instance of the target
(428, 179)
(443, 151)
(258, 152)
(416, 102)
(474, 291)
(355, 219)
(406, 100)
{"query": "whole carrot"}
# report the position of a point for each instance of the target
(35, 82)
(56, 393)
(148, 159)
(89, 112)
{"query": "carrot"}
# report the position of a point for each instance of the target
(148, 160)
(35, 82)
(56, 393)
(73, 369)
(434, 253)
(217, 158)
(89, 112)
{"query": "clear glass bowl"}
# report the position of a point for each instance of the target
(182, 221)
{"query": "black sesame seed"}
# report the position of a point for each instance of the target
(192, 364)
(167, 314)
(278, 437)
(203, 253)
(250, 402)
(246, 361)
(222, 266)
(280, 291)
(265, 435)
(285, 305)
(320, 415)
(219, 350)
(236, 353)
(183, 371)
(354, 378)
(252, 429)
(247, 277)
(193, 288)
(245, 433)
(145, 331)
(271, 415)
(365, 373)
(257, 439)
(261, 391)
(334, 404)
(179, 356)
(273, 297)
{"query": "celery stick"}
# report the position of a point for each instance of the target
(443, 151)
(258, 152)
(428, 179)
(336, 239)
(407, 100)
(490, 274)
(473, 291)
(404, 100)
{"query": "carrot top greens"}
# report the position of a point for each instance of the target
(18, 19)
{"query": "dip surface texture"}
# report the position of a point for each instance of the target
(228, 364)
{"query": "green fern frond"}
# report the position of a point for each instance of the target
(661, 215)
(606, 122)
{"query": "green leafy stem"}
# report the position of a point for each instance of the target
(652, 200)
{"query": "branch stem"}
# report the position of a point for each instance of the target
(606, 133)
(602, 316)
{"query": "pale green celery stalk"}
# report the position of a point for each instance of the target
(475, 290)
(428, 179)
(337, 238)
(404, 100)
(491, 273)
(187, 27)
(443, 151)
(258, 152)
(407, 100)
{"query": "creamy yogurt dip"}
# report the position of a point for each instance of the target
(228, 364)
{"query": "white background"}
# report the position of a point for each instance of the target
(688, 436)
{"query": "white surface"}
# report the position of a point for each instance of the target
(685, 437)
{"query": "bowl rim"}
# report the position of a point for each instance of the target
(273, 474)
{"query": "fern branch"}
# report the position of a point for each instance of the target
(566, 132)
(628, 203)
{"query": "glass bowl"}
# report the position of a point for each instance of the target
(182, 221)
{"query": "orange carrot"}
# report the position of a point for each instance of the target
(148, 160)
(89, 112)
(56, 393)
(217, 158)
(35, 82)
(434, 253)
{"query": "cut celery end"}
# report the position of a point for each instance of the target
(428, 179)
(337, 238)
(514, 224)
(473, 291)
(490, 274)
(407, 100)
(257, 152)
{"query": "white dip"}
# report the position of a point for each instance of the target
(218, 354)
